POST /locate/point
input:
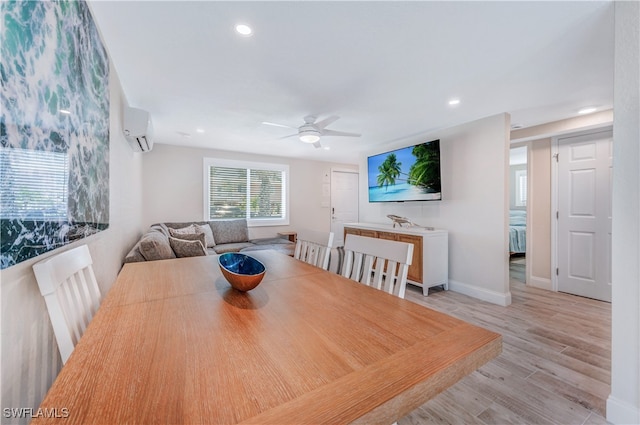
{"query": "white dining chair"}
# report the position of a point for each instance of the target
(380, 263)
(314, 247)
(72, 295)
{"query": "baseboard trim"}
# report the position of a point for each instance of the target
(540, 282)
(620, 412)
(503, 299)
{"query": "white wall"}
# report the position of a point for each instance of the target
(623, 405)
(173, 187)
(475, 175)
(30, 359)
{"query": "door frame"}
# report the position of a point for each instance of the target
(555, 147)
(527, 229)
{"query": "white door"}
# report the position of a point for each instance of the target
(584, 215)
(344, 202)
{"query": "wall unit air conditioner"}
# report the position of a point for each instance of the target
(137, 129)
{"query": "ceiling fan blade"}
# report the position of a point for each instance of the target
(339, 133)
(317, 145)
(325, 122)
(286, 137)
(273, 124)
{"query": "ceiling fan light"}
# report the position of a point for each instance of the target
(308, 136)
(243, 29)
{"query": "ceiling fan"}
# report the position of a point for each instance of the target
(311, 131)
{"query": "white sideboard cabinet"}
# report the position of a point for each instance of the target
(430, 262)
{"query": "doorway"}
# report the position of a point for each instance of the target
(583, 214)
(518, 195)
(344, 202)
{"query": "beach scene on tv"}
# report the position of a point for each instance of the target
(408, 174)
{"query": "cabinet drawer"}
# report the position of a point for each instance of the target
(368, 233)
(388, 236)
(360, 232)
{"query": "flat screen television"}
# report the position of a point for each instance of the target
(407, 174)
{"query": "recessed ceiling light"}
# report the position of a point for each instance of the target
(454, 102)
(516, 126)
(199, 130)
(327, 148)
(243, 29)
(65, 111)
(588, 110)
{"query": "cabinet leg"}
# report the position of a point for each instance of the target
(425, 291)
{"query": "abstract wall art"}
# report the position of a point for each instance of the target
(54, 128)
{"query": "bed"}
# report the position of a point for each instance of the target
(517, 231)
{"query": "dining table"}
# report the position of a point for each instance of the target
(174, 343)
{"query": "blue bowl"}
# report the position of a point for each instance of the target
(242, 271)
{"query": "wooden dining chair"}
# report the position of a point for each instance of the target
(314, 247)
(380, 263)
(71, 292)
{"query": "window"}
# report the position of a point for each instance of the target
(34, 184)
(257, 191)
(521, 188)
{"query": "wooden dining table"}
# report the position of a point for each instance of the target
(173, 343)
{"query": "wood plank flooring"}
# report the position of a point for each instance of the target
(554, 368)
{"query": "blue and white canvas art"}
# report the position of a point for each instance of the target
(54, 128)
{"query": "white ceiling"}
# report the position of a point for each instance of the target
(388, 69)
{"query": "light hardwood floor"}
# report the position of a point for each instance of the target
(554, 367)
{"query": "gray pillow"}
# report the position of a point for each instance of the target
(229, 231)
(184, 248)
(155, 246)
(191, 237)
(208, 234)
(189, 230)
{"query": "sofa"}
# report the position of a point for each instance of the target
(164, 241)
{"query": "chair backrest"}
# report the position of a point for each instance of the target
(380, 263)
(314, 247)
(71, 292)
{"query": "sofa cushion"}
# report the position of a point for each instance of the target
(271, 241)
(287, 249)
(229, 231)
(231, 247)
(160, 228)
(184, 248)
(155, 246)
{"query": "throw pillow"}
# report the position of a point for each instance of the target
(184, 248)
(155, 246)
(192, 237)
(189, 230)
(208, 234)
